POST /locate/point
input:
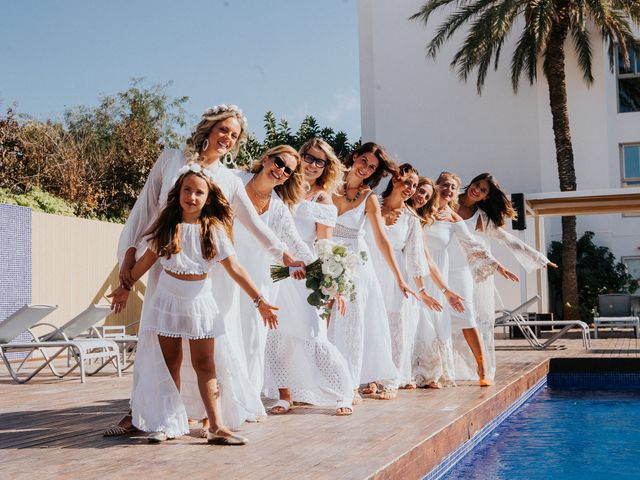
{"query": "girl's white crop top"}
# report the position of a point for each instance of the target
(189, 260)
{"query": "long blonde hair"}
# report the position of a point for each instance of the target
(427, 212)
(331, 176)
(292, 190)
(209, 119)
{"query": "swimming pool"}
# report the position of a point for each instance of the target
(575, 426)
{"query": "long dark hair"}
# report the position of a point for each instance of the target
(385, 164)
(403, 170)
(164, 234)
(497, 205)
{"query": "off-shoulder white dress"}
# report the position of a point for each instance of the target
(299, 355)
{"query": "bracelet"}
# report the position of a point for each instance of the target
(258, 301)
(444, 289)
(422, 289)
(122, 285)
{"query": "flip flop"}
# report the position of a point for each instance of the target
(285, 405)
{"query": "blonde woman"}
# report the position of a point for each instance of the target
(218, 135)
(274, 184)
(301, 364)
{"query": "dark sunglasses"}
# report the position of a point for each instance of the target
(311, 160)
(279, 163)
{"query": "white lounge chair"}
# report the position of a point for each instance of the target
(81, 350)
(514, 318)
(616, 311)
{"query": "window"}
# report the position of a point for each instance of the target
(633, 266)
(631, 165)
(629, 83)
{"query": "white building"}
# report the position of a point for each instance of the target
(423, 114)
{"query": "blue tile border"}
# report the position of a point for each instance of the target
(450, 460)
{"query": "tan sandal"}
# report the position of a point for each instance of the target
(346, 409)
(370, 389)
(283, 405)
(230, 440)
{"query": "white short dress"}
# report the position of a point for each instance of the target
(181, 309)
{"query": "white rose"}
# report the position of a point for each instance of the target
(332, 268)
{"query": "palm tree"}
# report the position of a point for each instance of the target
(545, 24)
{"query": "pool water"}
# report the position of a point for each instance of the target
(561, 434)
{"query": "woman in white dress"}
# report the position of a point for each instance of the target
(484, 206)
(470, 263)
(274, 184)
(362, 334)
(402, 227)
(217, 136)
(301, 364)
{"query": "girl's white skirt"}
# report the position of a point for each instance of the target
(183, 308)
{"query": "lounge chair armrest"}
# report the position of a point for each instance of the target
(111, 331)
(55, 333)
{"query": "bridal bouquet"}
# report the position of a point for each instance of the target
(332, 274)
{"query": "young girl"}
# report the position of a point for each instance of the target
(190, 236)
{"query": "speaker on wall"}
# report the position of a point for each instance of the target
(520, 223)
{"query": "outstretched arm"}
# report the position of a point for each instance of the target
(239, 275)
(121, 294)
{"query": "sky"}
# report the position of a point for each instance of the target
(293, 57)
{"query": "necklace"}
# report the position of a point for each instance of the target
(442, 214)
(260, 197)
(351, 200)
(392, 213)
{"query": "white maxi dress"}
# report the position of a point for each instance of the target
(484, 293)
(362, 334)
(405, 236)
(299, 355)
(238, 401)
(433, 356)
(257, 263)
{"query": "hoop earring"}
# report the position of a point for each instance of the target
(205, 144)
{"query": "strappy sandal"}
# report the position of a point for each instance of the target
(230, 440)
(118, 430)
(346, 408)
(370, 389)
(283, 404)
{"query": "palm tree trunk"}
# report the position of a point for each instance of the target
(554, 61)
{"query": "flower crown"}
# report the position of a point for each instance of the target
(218, 109)
(195, 168)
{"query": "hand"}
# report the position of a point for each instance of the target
(125, 269)
(269, 318)
(299, 273)
(120, 296)
(404, 288)
(552, 265)
(429, 301)
(342, 305)
(289, 261)
(507, 274)
(454, 300)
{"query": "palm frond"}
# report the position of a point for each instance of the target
(431, 6)
(525, 59)
(582, 41)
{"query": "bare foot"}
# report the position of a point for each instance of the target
(357, 399)
(370, 389)
(434, 385)
(408, 386)
(344, 411)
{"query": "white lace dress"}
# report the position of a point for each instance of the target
(236, 394)
(257, 263)
(405, 236)
(484, 292)
(298, 354)
(433, 357)
(362, 335)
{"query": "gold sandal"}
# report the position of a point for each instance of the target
(214, 439)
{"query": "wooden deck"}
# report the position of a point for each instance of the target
(51, 428)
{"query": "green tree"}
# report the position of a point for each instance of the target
(544, 27)
(598, 273)
(280, 132)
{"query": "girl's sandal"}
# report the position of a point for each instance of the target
(281, 407)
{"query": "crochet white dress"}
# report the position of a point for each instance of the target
(299, 355)
(405, 236)
(362, 335)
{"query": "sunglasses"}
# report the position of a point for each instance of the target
(280, 163)
(311, 160)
